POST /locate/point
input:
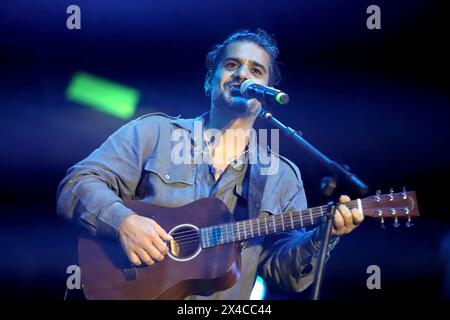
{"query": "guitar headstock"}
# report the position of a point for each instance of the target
(401, 205)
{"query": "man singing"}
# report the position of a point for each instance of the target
(137, 162)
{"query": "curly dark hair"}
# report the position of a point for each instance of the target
(261, 38)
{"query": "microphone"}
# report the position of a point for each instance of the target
(251, 89)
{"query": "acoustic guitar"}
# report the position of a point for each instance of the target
(205, 255)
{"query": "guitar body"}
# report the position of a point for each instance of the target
(106, 272)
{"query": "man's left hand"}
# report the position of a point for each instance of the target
(345, 220)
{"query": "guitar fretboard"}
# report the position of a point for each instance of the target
(257, 227)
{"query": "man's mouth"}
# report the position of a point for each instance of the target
(235, 89)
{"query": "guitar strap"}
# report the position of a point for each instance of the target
(256, 188)
(253, 186)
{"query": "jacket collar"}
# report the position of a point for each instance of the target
(188, 124)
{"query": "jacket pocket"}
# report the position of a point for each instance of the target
(166, 184)
(171, 173)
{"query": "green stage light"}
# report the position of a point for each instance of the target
(103, 95)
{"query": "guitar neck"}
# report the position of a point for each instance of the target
(381, 206)
(257, 227)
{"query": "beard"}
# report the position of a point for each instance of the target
(236, 104)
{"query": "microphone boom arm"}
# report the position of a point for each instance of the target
(337, 169)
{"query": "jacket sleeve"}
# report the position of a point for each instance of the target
(91, 193)
(289, 259)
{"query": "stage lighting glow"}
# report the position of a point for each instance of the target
(103, 95)
(259, 289)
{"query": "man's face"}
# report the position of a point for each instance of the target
(242, 60)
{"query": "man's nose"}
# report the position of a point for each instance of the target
(243, 72)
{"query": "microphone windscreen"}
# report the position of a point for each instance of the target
(245, 85)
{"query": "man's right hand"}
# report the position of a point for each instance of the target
(143, 240)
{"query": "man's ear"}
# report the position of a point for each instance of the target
(208, 82)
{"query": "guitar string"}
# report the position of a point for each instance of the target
(305, 212)
(221, 239)
(195, 243)
(255, 222)
(297, 224)
(235, 226)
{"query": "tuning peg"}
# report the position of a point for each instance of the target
(391, 194)
(377, 195)
(380, 214)
(393, 212)
(396, 223)
(404, 193)
(408, 223)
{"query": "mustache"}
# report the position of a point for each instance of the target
(233, 84)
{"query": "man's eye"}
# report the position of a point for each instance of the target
(257, 71)
(231, 65)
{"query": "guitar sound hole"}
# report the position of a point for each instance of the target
(186, 242)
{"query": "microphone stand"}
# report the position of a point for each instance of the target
(327, 187)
